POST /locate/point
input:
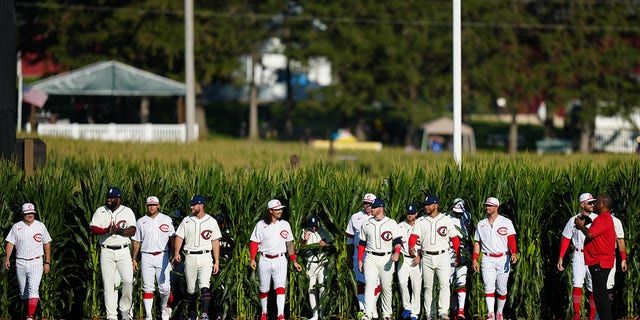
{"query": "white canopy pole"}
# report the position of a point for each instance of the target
(457, 84)
(19, 74)
(190, 108)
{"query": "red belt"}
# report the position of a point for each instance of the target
(273, 256)
(496, 255)
(30, 259)
(155, 253)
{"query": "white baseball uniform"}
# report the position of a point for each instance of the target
(115, 258)
(434, 234)
(198, 235)
(28, 241)
(316, 270)
(353, 237)
(409, 271)
(579, 269)
(272, 241)
(378, 238)
(617, 225)
(496, 261)
(154, 234)
(458, 274)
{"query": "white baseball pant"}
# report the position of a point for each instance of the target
(495, 273)
(439, 265)
(580, 272)
(378, 268)
(155, 268)
(116, 270)
(316, 273)
(407, 271)
(29, 274)
(459, 279)
(198, 267)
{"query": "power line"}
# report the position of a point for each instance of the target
(342, 20)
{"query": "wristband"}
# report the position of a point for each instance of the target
(47, 262)
(292, 257)
(475, 256)
(397, 250)
(623, 255)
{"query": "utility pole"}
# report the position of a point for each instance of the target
(457, 84)
(7, 79)
(189, 70)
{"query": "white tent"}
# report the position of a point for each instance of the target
(444, 127)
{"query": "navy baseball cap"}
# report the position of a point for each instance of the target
(312, 222)
(377, 203)
(431, 199)
(412, 209)
(114, 192)
(197, 199)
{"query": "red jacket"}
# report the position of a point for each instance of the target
(601, 249)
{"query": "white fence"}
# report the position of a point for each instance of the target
(119, 132)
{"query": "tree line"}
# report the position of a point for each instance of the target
(391, 61)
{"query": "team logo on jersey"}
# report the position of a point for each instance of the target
(37, 237)
(386, 236)
(164, 227)
(122, 224)
(442, 231)
(502, 231)
(284, 234)
(206, 234)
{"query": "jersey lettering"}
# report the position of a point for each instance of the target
(206, 234)
(122, 224)
(386, 236)
(442, 231)
(502, 231)
(284, 234)
(37, 237)
(164, 227)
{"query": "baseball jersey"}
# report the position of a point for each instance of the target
(314, 237)
(571, 232)
(28, 239)
(122, 217)
(462, 225)
(379, 234)
(406, 230)
(154, 233)
(494, 238)
(617, 226)
(434, 233)
(272, 238)
(198, 233)
(353, 228)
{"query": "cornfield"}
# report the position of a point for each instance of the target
(238, 181)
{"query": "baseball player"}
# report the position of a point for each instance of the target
(272, 237)
(434, 230)
(580, 271)
(220, 302)
(31, 240)
(409, 268)
(115, 224)
(353, 238)
(461, 218)
(200, 234)
(316, 262)
(495, 236)
(381, 239)
(154, 234)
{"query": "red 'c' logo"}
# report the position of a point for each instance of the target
(442, 231)
(284, 234)
(206, 234)
(122, 224)
(502, 231)
(37, 237)
(386, 236)
(164, 227)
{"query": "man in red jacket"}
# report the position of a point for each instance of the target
(599, 252)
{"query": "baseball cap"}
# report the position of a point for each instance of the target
(412, 209)
(275, 204)
(312, 222)
(369, 198)
(28, 208)
(114, 193)
(431, 199)
(197, 199)
(153, 200)
(459, 208)
(586, 197)
(493, 202)
(377, 203)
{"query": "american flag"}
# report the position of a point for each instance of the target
(35, 97)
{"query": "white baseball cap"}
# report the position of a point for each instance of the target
(275, 204)
(586, 197)
(28, 208)
(491, 201)
(369, 198)
(153, 200)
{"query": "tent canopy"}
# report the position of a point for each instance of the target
(110, 78)
(444, 126)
